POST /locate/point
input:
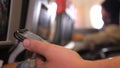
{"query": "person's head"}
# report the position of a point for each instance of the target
(110, 11)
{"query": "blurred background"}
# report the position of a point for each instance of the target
(91, 28)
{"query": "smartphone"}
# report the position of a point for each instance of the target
(22, 34)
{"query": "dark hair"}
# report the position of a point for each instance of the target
(112, 7)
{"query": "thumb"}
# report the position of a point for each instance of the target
(47, 50)
(39, 47)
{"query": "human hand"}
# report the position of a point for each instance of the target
(60, 57)
(56, 56)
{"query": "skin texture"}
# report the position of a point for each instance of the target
(54, 55)
(60, 57)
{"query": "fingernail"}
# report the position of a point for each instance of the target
(26, 42)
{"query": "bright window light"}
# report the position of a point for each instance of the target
(96, 17)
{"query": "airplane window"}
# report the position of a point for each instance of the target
(96, 17)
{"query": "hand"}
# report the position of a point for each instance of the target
(60, 57)
(56, 56)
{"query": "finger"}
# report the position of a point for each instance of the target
(47, 50)
(38, 47)
(39, 63)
